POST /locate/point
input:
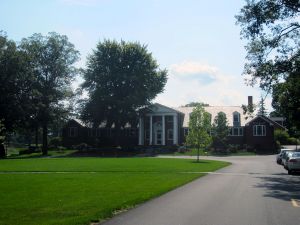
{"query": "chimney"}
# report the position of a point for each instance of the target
(250, 101)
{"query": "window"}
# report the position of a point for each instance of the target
(170, 134)
(169, 119)
(259, 130)
(73, 132)
(236, 131)
(236, 119)
(186, 131)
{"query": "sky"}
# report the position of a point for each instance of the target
(197, 41)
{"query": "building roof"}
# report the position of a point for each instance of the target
(214, 110)
(269, 120)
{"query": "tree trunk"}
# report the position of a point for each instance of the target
(45, 139)
(198, 151)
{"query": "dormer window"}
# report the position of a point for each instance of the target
(236, 119)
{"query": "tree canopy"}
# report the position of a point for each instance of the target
(15, 83)
(272, 30)
(286, 101)
(52, 59)
(199, 129)
(220, 130)
(121, 77)
(194, 104)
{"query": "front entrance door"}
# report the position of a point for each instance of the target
(158, 137)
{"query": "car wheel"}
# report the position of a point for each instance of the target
(290, 172)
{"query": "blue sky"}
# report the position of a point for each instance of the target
(197, 41)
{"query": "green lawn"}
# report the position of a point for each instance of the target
(87, 189)
(193, 152)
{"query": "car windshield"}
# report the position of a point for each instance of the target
(296, 154)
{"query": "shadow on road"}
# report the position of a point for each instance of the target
(285, 187)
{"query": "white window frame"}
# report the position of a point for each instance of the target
(170, 132)
(239, 133)
(73, 131)
(263, 130)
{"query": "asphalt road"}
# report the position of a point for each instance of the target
(254, 190)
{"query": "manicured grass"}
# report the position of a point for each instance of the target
(88, 188)
(193, 152)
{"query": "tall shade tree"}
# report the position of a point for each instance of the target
(286, 102)
(15, 84)
(52, 60)
(272, 29)
(121, 77)
(199, 129)
(220, 130)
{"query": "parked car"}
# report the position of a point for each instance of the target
(293, 162)
(279, 156)
(285, 157)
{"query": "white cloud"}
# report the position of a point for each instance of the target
(184, 86)
(190, 67)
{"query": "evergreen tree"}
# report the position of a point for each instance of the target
(220, 130)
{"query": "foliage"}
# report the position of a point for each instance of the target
(78, 198)
(272, 29)
(261, 107)
(120, 79)
(51, 62)
(54, 142)
(248, 110)
(286, 100)
(220, 131)
(194, 104)
(284, 138)
(15, 84)
(199, 129)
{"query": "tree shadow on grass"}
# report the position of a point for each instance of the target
(200, 161)
(283, 187)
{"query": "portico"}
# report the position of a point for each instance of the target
(159, 126)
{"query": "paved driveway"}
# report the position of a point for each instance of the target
(254, 190)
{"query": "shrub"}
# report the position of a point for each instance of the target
(82, 147)
(293, 141)
(233, 148)
(282, 136)
(55, 142)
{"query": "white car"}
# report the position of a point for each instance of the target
(293, 162)
(280, 155)
(285, 157)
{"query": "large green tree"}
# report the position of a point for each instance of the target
(220, 131)
(286, 101)
(272, 30)
(52, 59)
(15, 84)
(199, 129)
(121, 77)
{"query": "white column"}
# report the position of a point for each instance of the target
(175, 130)
(163, 130)
(150, 143)
(141, 131)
